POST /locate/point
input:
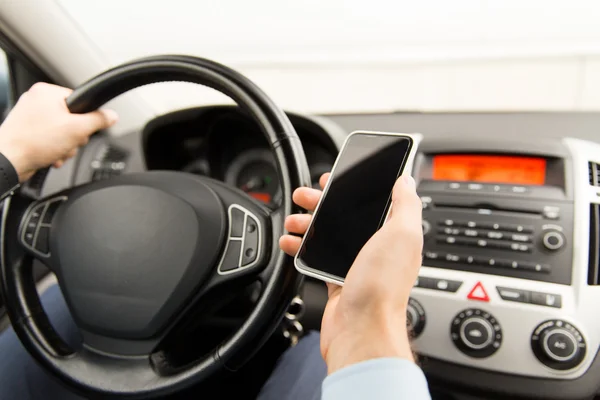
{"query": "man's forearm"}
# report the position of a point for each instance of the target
(9, 179)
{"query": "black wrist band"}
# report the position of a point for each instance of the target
(9, 180)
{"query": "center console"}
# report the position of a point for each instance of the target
(507, 283)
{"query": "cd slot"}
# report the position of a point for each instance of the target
(486, 208)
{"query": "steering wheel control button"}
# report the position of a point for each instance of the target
(553, 240)
(35, 233)
(415, 317)
(250, 241)
(236, 221)
(516, 295)
(478, 293)
(231, 259)
(476, 333)
(546, 299)
(243, 246)
(42, 242)
(558, 345)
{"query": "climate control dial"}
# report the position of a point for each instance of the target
(415, 317)
(476, 333)
(558, 344)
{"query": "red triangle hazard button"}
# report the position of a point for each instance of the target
(478, 293)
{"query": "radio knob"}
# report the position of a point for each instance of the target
(415, 317)
(476, 333)
(558, 345)
(426, 227)
(553, 240)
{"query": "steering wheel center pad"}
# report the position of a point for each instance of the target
(133, 249)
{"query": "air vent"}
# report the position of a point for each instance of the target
(594, 172)
(594, 260)
(110, 161)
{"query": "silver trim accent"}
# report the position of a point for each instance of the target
(549, 352)
(488, 327)
(247, 214)
(408, 167)
(44, 205)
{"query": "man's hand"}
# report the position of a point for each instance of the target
(366, 318)
(40, 131)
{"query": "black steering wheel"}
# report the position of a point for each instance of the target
(136, 254)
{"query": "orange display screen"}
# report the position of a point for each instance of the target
(491, 169)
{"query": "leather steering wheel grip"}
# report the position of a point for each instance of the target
(23, 306)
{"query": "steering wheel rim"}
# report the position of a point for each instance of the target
(22, 302)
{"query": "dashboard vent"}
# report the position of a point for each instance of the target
(594, 260)
(594, 169)
(110, 161)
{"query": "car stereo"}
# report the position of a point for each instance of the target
(497, 214)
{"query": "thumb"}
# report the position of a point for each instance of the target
(96, 120)
(406, 205)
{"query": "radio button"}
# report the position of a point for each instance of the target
(519, 189)
(432, 255)
(546, 299)
(519, 296)
(518, 237)
(523, 248)
(447, 222)
(454, 186)
(449, 231)
(453, 258)
(491, 226)
(471, 232)
(469, 260)
(551, 212)
(495, 235)
(424, 282)
(517, 228)
(534, 267)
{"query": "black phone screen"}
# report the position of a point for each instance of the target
(355, 203)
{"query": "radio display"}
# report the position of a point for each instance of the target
(489, 168)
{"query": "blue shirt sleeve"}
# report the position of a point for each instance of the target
(377, 379)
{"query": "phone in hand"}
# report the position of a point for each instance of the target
(355, 202)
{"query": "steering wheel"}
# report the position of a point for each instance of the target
(136, 254)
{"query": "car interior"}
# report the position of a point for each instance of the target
(504, 305)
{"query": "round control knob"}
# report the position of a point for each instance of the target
(476, 333)
(426, 227)
(415, 317)
(558, 344)
(553, 240)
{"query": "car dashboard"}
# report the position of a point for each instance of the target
(506, 301)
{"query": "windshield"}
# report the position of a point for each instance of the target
(365, 56)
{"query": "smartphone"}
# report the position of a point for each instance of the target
(355, 203)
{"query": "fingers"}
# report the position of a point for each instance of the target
(297, 223)
(307, 198)
(323, 179)
(406, 204)
(290, 244)
(61, 162)
(95, 121)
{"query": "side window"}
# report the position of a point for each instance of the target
(5, 95)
